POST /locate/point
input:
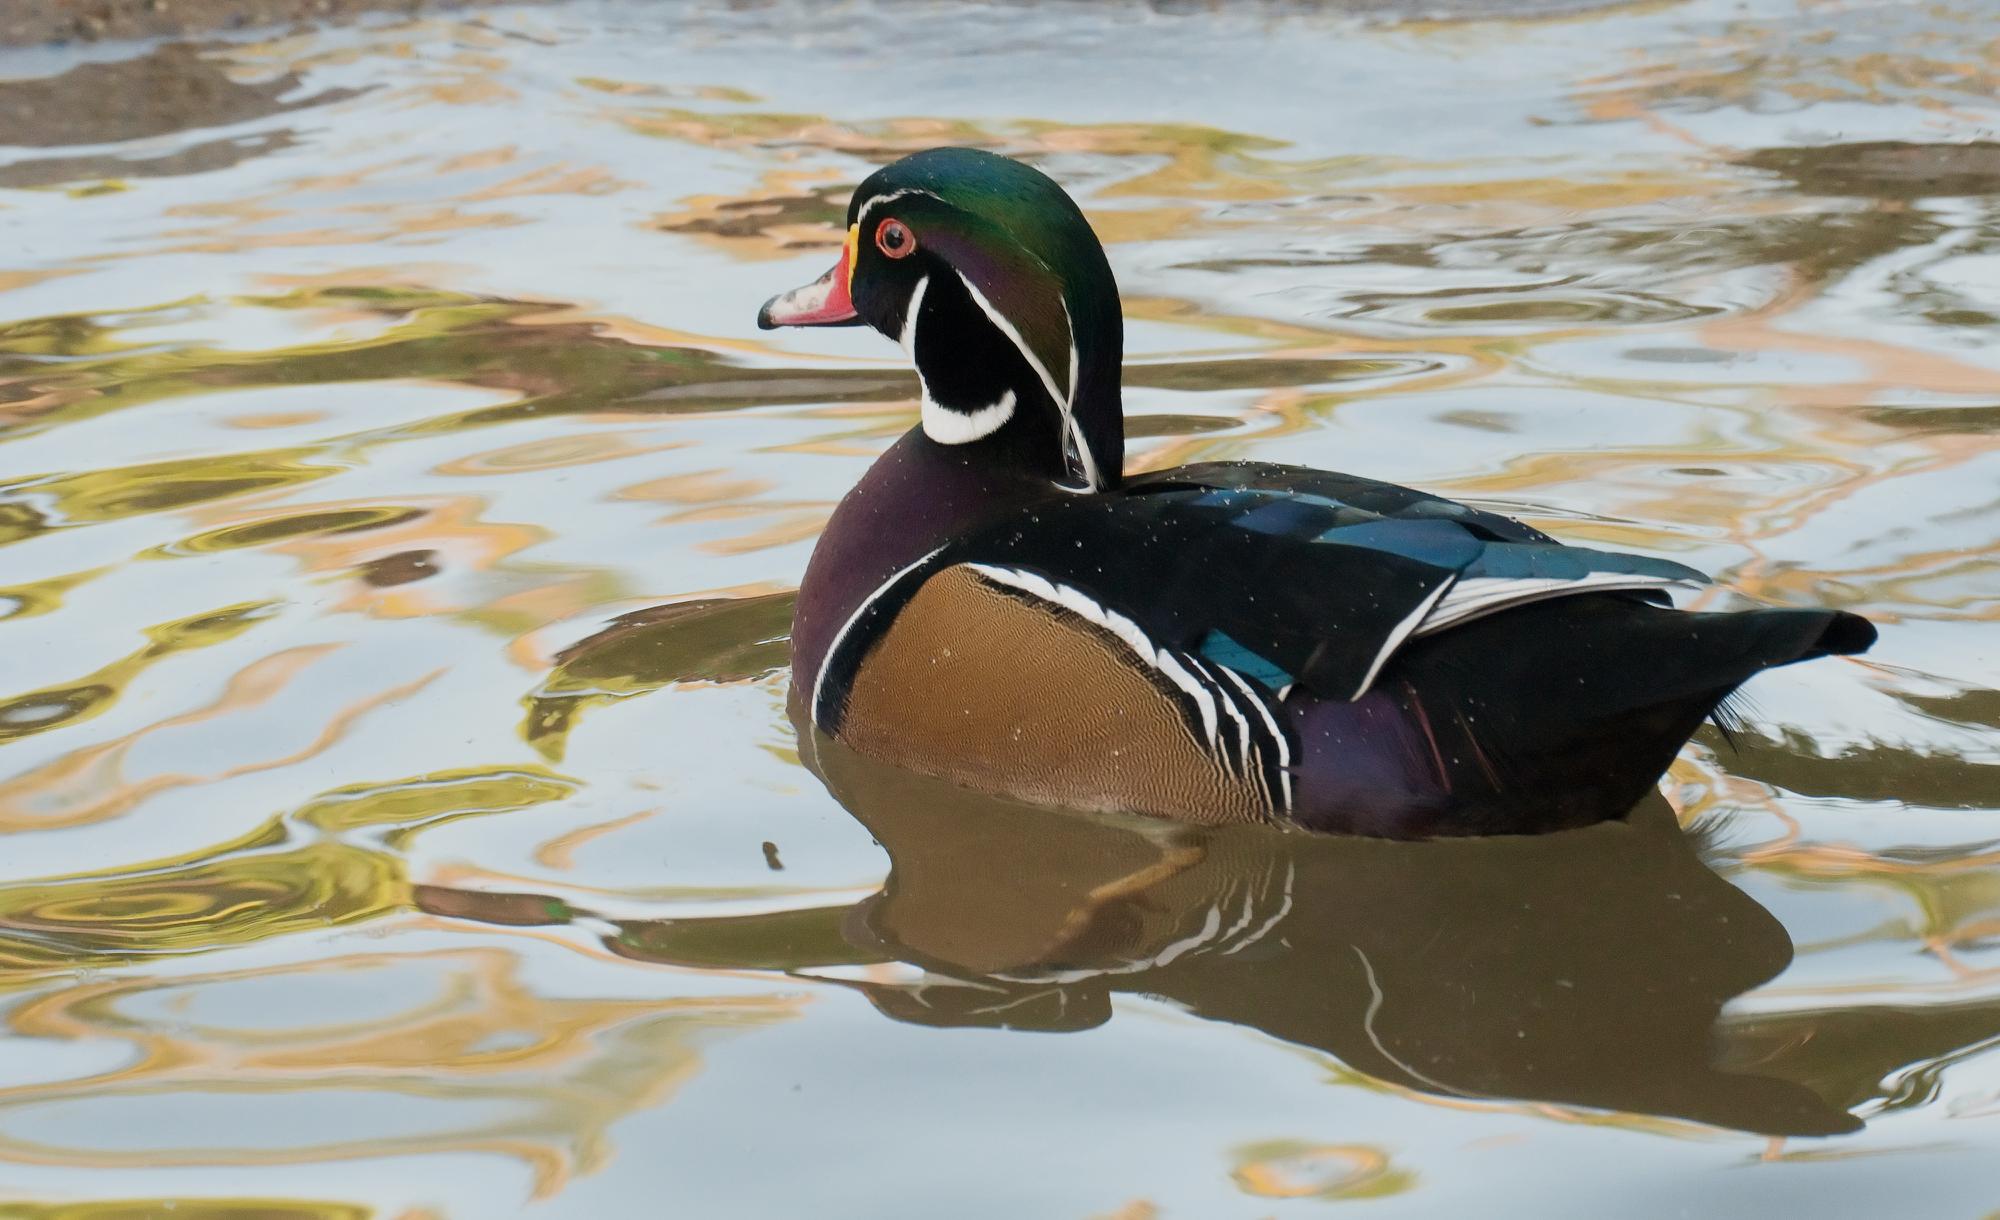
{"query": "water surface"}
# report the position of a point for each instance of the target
(399, 512)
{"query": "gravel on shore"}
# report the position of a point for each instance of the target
(34, 22)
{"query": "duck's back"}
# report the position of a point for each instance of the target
(1245, 641)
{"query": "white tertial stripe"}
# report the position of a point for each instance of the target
(1062, 397)
(1463, 600)
(1478, 596)
(1401, 632)
(1368, 1027)
(840, 637)
(1127, 631)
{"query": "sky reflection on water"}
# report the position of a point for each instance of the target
(399, 511)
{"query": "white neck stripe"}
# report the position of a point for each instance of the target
(1063, 397)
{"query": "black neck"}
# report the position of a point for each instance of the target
(969, 366)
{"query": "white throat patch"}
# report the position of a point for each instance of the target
(949, 427)
(941, 423)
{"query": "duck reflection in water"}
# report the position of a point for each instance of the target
(1585, 968)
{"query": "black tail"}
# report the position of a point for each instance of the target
(1569, 711)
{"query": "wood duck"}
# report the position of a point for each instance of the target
(997, 604)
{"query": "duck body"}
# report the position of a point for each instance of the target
(1203, 643)
(996, 605)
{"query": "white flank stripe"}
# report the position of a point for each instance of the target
(1284, 767)
(840, 637)
(1249, 909)
(1125, 629)
(1483, 595)
(1209, 927)
(1229, 705)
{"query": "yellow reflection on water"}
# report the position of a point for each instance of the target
(533, 1078)
(400, 513)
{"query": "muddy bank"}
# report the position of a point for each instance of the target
(30, 22)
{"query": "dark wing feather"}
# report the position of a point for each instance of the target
(1182, 567)
(1285, 576)
(1268, 571)
(1358, 494)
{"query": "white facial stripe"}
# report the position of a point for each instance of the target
(1075, 429)
(1061, 397)
(908, 339)
(891, 197)
(1127, 631)
(1083, 454)
(1007, 328)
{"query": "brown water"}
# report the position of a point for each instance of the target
(400, 510)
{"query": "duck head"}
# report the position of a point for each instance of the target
(989, 276)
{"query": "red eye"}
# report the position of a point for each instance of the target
(893, 238)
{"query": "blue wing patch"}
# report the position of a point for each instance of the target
(1540, 561)
(1220, 648)
(1441, 544)
(1288, 518)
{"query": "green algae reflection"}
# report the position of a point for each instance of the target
(249, 889)
(263, 884)
(411, 805)
(37, 711)
(709, 640)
